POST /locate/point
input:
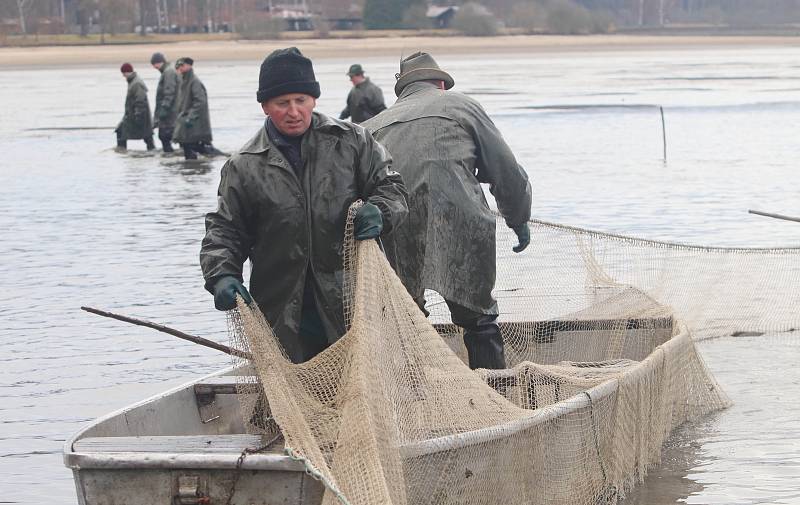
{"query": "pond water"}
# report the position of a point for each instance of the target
(83, 225)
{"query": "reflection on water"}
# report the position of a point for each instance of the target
(669, 483)
(189, 167)
(83, 225)
(748, 453)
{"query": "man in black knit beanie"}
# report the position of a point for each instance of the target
(282, 204)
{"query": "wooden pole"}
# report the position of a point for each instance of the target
(663, 132)
(176, 333)
(776, 216)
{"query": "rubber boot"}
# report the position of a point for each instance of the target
(165, 136)
(188, 152)
(484, 344)
(213, 151)
(149, 143)
(209, 150)
(122, 145)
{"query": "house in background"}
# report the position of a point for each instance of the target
(441, 17)
(342, 15)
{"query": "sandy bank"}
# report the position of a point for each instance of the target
(364, 47)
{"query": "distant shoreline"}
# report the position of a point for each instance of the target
(255, 50)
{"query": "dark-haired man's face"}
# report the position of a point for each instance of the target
(290, 113)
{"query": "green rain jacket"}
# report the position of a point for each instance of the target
(444, 145)
(288, 227)
(194, 122)
(364, 101)
(136, 123)
(167, 97)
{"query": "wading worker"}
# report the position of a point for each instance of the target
(193, 124)
(444, 145)
(136, 122)
(365, 99)
(282, 203)
(166, 100)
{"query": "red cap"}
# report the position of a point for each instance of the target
(125, 68)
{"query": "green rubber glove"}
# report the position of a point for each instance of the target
(225, 291)
(368, 222)
(523, 235)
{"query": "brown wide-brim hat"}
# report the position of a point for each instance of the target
(420, 67)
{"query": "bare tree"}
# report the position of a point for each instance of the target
(21, 6)
(142, 13)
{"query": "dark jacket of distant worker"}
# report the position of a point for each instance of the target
(365, 99)
(283, 202)
(193, 124)
(445, 145)
(166, 100)
(136, 123)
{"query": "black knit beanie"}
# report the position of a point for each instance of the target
(286, 71)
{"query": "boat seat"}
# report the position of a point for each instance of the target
(234, 443)
(205, 393)
(226, 385)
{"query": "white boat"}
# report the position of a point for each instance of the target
(188, 445)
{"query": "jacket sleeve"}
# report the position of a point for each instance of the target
(376, 103)
(379, 184)
(199, 98)
(170, 94)
(346, 111)
(497, 166)
(140, 103)
(227, 242)
(130, 104)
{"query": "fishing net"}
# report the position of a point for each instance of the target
(600, 336)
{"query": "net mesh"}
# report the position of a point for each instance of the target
(600, 337)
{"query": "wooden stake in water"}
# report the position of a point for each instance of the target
(776, 216)
(663, 132)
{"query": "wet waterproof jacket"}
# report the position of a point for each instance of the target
(136, 123)
(364, 101)
(444, 145)
(167, 97)
(289, 227)
(194, 122)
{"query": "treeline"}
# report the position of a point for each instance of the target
(583, 16)
(474, 17)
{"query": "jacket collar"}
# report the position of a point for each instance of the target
(320, 123)
(131, 77)
(418, 87)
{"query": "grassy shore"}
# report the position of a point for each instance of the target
(137, 49)
(171, 38)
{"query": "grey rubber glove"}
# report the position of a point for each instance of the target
(523, 235)
(225, 291)
(368, 222)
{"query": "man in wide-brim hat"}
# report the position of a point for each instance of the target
(365, 99)
(283, 202)
(444, 145)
